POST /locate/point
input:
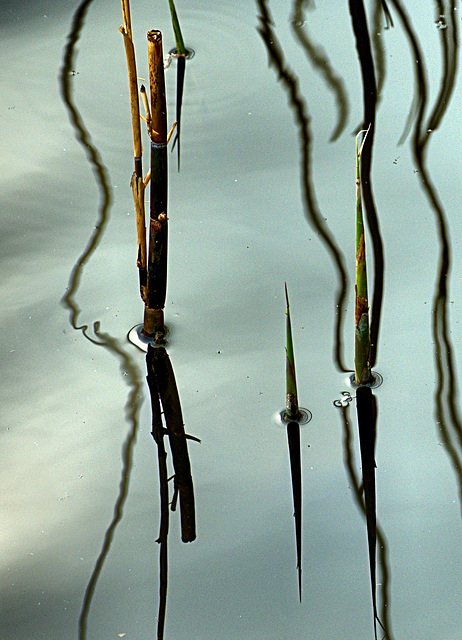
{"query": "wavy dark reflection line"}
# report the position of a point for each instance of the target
(94, 158)
(297, 103)
(128, 367)
(380, 9)
(447, 412)
(417, 106)
(320, 61)
(449, 46)
(384, 565)
(363, 46)
(132, 409)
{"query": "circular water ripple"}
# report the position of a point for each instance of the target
(306, 417)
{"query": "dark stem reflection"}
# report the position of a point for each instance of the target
(447, 412)
(132, 410)
(167, 420)
(293, 437)
(180, 76)
(365, 496)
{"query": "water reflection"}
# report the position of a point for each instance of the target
(66, 80)
(447, 410)
(290, 84)
(293, 437)
(320, 61)
(180, 78)
(363, 46)
(105, 340)
(165, 401)
(380, 8)
(132, 409)
(364, 494)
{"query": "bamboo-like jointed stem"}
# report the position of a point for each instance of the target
(157, 85)
(158, 225)
(145, 101)
(362, 335)
(292, 409)
(138, 189)
(126, 31)
(137, 183)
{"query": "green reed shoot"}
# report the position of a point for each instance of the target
(180, 47)
(292, 410)
(362, 334)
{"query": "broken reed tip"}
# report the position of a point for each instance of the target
(155, 36)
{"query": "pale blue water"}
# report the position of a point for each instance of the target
(75, 416)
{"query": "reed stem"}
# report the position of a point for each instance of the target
(137, 178)
(158, 222)
(362, 334)
(180, 46)
(292, 409)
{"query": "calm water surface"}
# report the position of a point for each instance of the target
(265, 195)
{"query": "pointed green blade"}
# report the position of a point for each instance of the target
(292, 410)
(180, 47)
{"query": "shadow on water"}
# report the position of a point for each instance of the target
(364, 494)
(290, 84)
(447, 411)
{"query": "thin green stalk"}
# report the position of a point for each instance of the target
(292, 410)
(180, 47)
(362, 334)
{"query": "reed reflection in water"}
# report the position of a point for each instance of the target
(446, 401)
(419, 123)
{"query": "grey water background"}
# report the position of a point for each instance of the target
(75, 415)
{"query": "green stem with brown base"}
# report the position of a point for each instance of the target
(362, 334)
